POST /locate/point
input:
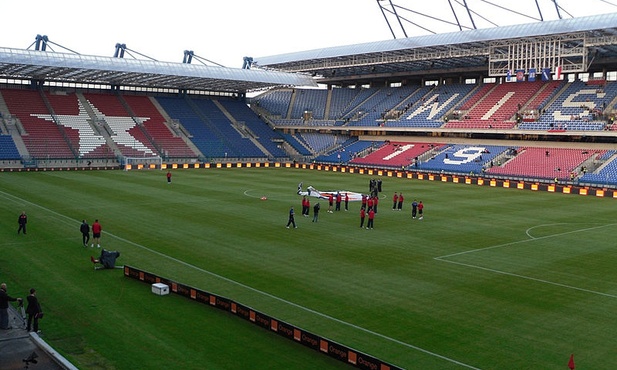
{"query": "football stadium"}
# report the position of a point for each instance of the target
(442, 201)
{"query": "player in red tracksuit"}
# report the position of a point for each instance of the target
(363, 201)
(339, 198)
(362, 216)
(371, 217)
(306, 205)
(330, 202)
(400, 201)
(420, 210)
(96, 233)
(346, 202)
(394, 200)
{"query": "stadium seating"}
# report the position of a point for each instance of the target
(543, 163)
(43, 137)
(498, 107)
(347, 151)
(395, 154)
(467, 159)
(77, 127)
(547, 90)
(606, 173)
(374, 110)
(212, 131)
(341, 99)
(211, 115)
(297, 144)
(171, 145)
(202, 136)
(578, 107)
(313, 101)
(128, 136)
(8, 150)
(267, 137)
(276, 102)
(430, 110)
(68, 125)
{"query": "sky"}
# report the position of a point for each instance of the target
(225, 31)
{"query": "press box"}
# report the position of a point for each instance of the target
(160, 289)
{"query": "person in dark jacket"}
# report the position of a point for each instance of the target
(34, 312)
(4, 307)
(22, 221)
(316, 208)
(291, 218)
(85, 232)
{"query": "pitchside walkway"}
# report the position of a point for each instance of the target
(17, 346)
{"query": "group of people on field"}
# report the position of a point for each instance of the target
(368, 208)
(96, 233)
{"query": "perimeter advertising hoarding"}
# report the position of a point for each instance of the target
(320, 344)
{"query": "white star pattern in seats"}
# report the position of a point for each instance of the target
(89, 140)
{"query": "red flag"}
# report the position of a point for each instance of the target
(558, 73)
(571, 362)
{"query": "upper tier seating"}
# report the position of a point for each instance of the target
(430, 110)
(498, 107)
(313, 101)
(276, 102)
(341, 100)
(353, 106)
(549, 88)
(373, 110)
(578, 107)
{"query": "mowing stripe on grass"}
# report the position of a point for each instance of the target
(65, 218)
(446, 258)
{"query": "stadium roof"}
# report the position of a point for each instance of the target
(454, 51)
(86, 69)
(452, 54)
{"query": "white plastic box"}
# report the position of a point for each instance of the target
(160, 289)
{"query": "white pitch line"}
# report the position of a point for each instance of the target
(520, 242)
(411, 346)
(532, 278)
(247, 194)
(501, 272)
(528, 231)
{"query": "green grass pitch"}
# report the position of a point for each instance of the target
(492, 278)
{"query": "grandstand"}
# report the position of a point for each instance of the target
(360, 107)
